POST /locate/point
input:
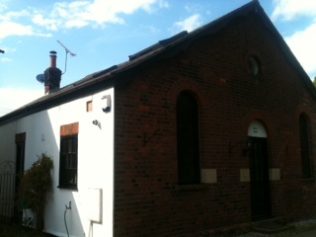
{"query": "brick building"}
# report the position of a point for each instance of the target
(203, 130)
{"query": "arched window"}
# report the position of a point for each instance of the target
(188, 139)
(254, 66)
(305, 139)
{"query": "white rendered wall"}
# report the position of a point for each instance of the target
(95, 161)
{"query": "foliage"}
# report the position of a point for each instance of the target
(35, 184)
(314, 81)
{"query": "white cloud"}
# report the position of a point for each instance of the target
(3, 5)
(290, 9)
(99, 12)
(72, 14)
(8, 28)
(15, 16)
(12, 23)
(82, 13)
(17, 97)
(189, 23)
(164, 4)
(302, 43)
(49, 24)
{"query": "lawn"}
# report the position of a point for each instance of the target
(11, 230)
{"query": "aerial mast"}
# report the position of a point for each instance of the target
(67, 52)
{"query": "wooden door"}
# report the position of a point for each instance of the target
(260, 192)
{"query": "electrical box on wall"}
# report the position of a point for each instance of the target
(95, 205)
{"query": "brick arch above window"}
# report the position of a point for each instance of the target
(190, 86)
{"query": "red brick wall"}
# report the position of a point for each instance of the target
(215, 69)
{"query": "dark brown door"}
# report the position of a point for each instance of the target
(19, 170)
(260, 192)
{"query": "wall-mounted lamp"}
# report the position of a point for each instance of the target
(245, 146)
(97, 123)
(107, 107)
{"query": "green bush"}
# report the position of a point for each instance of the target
(35, 184)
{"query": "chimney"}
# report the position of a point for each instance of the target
(52, 75)
(53, 56)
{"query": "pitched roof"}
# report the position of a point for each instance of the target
(108, 77)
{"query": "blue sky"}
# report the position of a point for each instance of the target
(104, 32)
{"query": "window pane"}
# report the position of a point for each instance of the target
(188, 139)
(305, 147)
(68, 162)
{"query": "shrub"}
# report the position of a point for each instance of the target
(35, 184)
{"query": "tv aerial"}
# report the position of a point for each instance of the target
(67, 51)
(41, 77)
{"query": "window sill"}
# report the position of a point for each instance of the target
(191, 187)
(75, 189)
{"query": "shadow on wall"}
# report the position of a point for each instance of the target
(43, 136)
(7, 172)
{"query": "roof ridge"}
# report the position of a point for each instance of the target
(160, 44)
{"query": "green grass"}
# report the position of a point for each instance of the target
(11, 230)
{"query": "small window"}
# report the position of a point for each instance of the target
(89, 106)
(68, 166)
(254, 66)
(188, 139)
(305, 139)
